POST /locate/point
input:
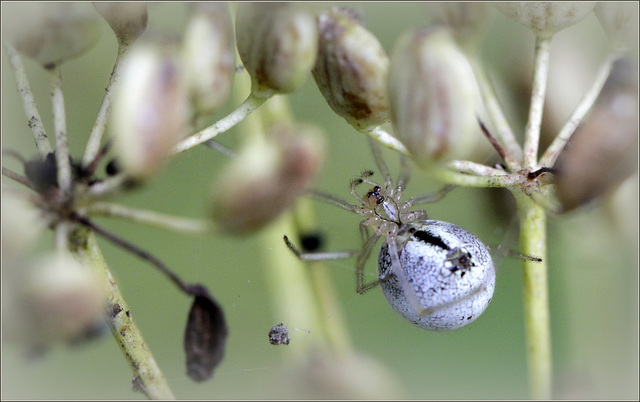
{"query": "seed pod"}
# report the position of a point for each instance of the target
(620, 21)
(546, 18)
(208, 55)
(50, 32)
(22, 224)
(603, 152)
(150, 112)
(351, 69)
(265, 179)
(433, 95)
(128, 20)
(277, 43)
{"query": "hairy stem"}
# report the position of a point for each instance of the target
(28, 102)
(147, 374)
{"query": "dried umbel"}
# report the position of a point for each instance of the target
(128, 19)
(546, 18)
(604, 151)
(433, 95)
(50, 32)
(266, 178)
(277, 43)
(467, 20)
(208, 55)
(150, 108)
(351, 69)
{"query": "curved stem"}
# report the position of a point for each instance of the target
(536, 299)
(386, 139)
(28, 102)
(147, 374)
(538, 91)
(245, 109)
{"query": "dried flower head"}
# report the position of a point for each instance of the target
(127, 19)
(546, 18)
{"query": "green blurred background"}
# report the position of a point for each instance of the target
(593, 255)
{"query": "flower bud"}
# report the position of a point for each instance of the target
(58, 299)
(277, 43)
(433, 95)
(351, 69)
(468, 20)
(620, 21)
(603, 152)
(209, 56)
(265, 179)
(50, 32)
(22, 224)
(546, 18)
(149, 113)
(127, 19)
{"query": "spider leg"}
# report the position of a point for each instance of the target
(407, 289)
(431, 197)
(336, 255)
(382, 166)
(404, 174)
(332, 199)
(364, 254)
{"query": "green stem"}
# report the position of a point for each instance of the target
(147, 374)
(538, 91)
(536, 300)
(60, 125)
(29, 102)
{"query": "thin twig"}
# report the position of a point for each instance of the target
(502, 151)
(28, 102)
(60, 123)
(95, 138)
(245, 109)
(386, 139)
(554, 149)
(538, 91)
(18, 178)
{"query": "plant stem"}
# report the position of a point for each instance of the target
(538, 91)
(147, 373)
(163, 221)
(60, 124)
(536, 300)
(245, 109)
(551, 154)
(28, 102)
(95, 138)
(386, 139)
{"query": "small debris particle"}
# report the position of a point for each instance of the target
(279, 335)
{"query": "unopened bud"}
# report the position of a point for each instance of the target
(604, 151)
(127, 19)
(277, 43)
(209, 56)
(60, 299)
(467, 20)
(620, 21)
(351, 70)
(50, 32)
(433, 95)
(546, 18)
(150, 112)
(265, 179)
(22, 224)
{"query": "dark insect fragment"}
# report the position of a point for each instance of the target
(205, 335)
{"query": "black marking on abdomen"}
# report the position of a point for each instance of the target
(430, 238)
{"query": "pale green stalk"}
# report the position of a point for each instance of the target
(147, 373)
(60, 124)
(95, 138)
(386, 139)
(538, 90)
(28, 102)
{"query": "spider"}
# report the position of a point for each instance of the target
(435, 274)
